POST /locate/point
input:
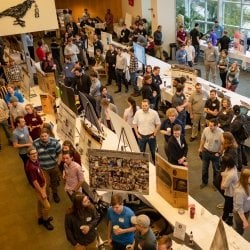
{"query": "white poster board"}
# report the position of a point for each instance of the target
(37, 15)
(106, 38)
(128, 20)
(66, 123)
(119, 124)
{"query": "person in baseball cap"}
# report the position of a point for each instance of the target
(144, 236)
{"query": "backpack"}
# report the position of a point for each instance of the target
(244, 131)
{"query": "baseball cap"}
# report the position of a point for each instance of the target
(141, 220)
(13, 99)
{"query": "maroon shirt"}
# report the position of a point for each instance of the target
(34, 173)
(182, 35)
(33, 120)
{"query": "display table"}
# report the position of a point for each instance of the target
(232, 54)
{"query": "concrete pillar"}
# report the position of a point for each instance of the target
(164, 13)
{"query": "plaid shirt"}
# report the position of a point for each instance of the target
(133, 66)
(14, 73)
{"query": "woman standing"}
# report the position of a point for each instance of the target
(223, 66)
(242, 202)
(129, 113)
(33, 121)
(225, 115)
(80, 223)
(148, 70)
(229, 180)
(233, 77)
(48, 65)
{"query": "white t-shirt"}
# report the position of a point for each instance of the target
(128, 115)
(190, 51)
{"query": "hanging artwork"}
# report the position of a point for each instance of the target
(24, 16)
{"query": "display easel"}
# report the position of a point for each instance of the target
(123, 138)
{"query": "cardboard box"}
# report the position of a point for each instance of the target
(172, 182)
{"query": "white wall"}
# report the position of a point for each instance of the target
(146, 13)
(132, 10)
(164, 14)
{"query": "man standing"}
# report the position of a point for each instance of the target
(212, 106)
(210, 60)
(4, 115)
(82, 82)
(37, 180)
(110, 63)
(146, 125)
(133, 68)
(120, 228)
(195, 36)
(144, 236)
(210, 148)
(72, 174)
(196, 108)
(158, 42)
(71, 50)
(218, 29)
(156, 82)
(120, 68)
(49, 154)
(177, 147)
(16, 109)
(224, 42)
(21, 138)
(181, 55)
(109, 18)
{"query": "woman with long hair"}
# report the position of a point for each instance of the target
(226, 114)
(233, 77)
(242, 202)
(229, 180)
(80, 223)
(33, 121)
(129, 113)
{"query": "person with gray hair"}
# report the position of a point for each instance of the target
(144, 236)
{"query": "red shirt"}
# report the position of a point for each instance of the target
(33, 120)
(182, 35)
(40, 53)
(34, 173)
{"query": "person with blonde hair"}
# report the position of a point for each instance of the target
(232, 78)
(164, 243)
(225, 114)
(242, 202)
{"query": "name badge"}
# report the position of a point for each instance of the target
(88, 219)
(21, 135)
(121, 220)
(41, 150)
(213, 104)
(33, 119)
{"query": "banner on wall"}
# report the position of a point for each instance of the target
(240, 42)
(24, 16)
(119, 171)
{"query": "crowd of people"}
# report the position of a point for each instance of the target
(219, 123)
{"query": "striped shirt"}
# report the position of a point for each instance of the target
(47, 152)
(133, 66)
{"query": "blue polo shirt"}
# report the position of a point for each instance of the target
(123, 221)
(18, 95)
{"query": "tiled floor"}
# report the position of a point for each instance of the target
(19, 229)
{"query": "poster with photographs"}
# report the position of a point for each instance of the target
(90, 31)
(24, 16)
(178, 71)
(66, 123)
(172, 182)
(89, 139)
(120, 171)
(240, 42)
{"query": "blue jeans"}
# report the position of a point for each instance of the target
(120, 78)
(151, 140)
(182, 117)
(206, 158)
(197, 52)
(133, 78)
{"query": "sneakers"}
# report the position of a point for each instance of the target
(203, 185)
(56, 198)
(48, 225)
(220, 206)
(40, 220)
